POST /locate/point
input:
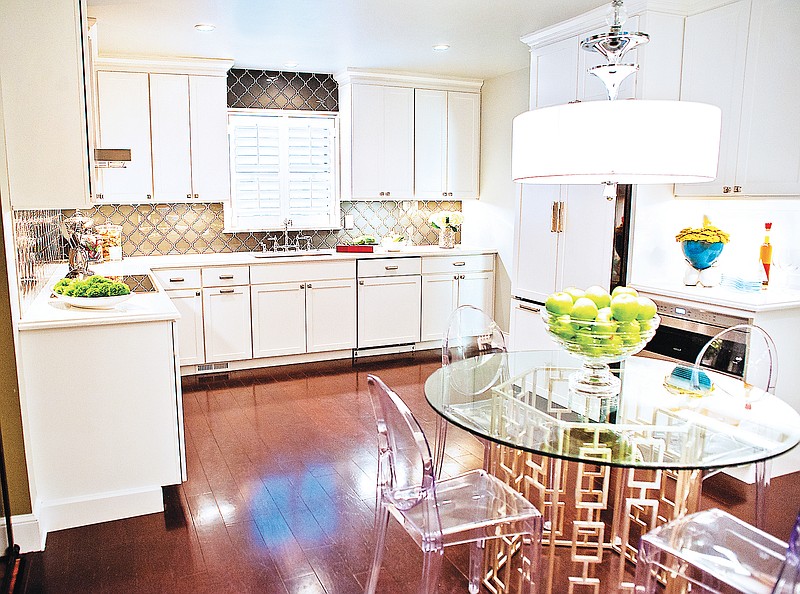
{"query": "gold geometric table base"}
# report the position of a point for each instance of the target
(599, 512)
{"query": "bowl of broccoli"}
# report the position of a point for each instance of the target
(95, 292)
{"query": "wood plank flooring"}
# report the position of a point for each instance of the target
(281, 490)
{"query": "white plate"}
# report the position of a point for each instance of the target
(93, 302)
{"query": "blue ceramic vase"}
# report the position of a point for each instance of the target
(702, 254)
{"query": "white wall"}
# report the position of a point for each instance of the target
(489, 221)
(657, 257)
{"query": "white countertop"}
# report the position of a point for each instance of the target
(46, 312)
(773, 298)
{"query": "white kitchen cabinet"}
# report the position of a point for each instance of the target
(178, 119)
(44, 103)
(449, 282)
(527, 329)
(446, 144)
(554, 73)
(123, 109)
(105, 421)
(381, 163)
(278, 319)
(226, 323)
(759, 152)
(563, 237)
(191, 343)
(314, 311)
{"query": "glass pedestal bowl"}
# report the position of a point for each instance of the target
(597, 344)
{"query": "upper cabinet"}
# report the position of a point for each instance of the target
(446, 144)
(408, 137)
(43, 61)
(753, 82)
(173, 117)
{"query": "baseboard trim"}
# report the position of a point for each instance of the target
(27, 533)
(60, 514)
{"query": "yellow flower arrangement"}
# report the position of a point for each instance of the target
(708, 233)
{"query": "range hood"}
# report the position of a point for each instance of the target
(111, 158)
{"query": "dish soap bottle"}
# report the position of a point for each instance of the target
(766, 254)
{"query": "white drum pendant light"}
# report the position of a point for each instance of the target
(583, 142)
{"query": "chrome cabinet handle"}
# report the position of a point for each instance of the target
(395, 267)
(562, 211)
(530, 309)
(177, 279)
(225, 277)
(459, 263)
(554, 218)
(227, 290)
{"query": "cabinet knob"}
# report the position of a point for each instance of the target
(302, 286)
(737, 188)
(197, 195)
(726, 189)
(360, 282)
(444, 193)
(197, 293)
(382, 193)
(455, 277)
(449, 193)
(98, 196)
(462, 277)
(149, 196)
(308, 286)
(189, 196)
(388, 193)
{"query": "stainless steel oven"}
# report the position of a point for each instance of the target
(685, 329)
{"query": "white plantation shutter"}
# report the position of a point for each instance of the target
(283, 166)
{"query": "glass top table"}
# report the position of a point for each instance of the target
(522, 400)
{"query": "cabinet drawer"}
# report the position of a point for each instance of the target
(388, 267)
(178, 278)
(440, 264)
(301, 271)
(226, 276)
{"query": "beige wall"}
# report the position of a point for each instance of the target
(490, 220)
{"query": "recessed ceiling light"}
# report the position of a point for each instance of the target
(290, 64)
(205, 27)
(441, 47)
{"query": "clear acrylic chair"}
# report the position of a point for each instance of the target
(469, 508)
(471, 334)
(716, 552)
(746, 351)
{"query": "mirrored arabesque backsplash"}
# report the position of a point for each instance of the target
(167, 229)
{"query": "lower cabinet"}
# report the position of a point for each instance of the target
(388, 311)
(226, 323)
(303, 317)
(471, 282)
(527, 327)
(189, 303)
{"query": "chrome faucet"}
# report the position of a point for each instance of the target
(286, 224)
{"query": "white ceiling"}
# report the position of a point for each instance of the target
(329, 35)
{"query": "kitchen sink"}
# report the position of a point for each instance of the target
(293, 254)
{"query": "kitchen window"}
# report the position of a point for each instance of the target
(283, 166)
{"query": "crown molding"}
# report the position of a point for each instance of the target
(158, 65)
(407, 79)
(596, 18)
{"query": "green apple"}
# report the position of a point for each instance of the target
(620, 289)
(612, 345)
(647, 308)
(575, 292)
(584, 309)
(629, 331)
(562, 326)
(604, 323)
(624, 307)
(559, 303)
(599, 295)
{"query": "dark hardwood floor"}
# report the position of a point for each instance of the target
(280, 495)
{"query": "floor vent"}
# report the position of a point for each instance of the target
(212, 366)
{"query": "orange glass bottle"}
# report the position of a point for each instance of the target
(766, 254)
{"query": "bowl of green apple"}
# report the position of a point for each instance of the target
(599, 328)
